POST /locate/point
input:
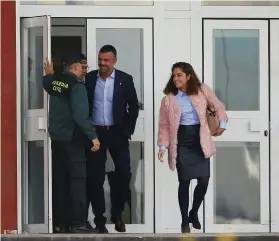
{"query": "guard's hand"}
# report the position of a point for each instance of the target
(219, 132)
(96, 145)
(48, 67)
(161, 155)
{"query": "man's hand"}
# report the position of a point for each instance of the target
(96, 145)
(48, 67)
(219, 132)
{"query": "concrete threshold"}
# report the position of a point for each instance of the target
(143, 237)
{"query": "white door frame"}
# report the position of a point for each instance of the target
(38, 129)
(236, 130)
(274, 116)
(144, 128)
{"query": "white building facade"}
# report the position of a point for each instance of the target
(233, 48)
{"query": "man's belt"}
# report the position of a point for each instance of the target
(105, 127)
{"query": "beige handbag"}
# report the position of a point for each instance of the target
(211, 116)
(212, 120)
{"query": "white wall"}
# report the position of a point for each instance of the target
(176, 33)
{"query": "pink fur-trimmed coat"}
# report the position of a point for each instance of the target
(170, 113)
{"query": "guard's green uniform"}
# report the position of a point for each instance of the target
(69, 125)
(68, 108)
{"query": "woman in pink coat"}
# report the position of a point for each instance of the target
(184, 131)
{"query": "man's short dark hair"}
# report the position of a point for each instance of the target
(108, 48)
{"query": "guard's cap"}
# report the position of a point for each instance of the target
(72, 58)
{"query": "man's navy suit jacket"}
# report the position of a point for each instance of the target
(125, 105)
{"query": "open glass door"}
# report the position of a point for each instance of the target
(36, 158)
(134, 44)
(274, 117)
(236, 67)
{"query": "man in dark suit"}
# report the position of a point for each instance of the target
(114, 109)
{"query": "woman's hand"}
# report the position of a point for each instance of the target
(219, 132)
(161, 155)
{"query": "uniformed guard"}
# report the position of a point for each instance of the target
(69, 125)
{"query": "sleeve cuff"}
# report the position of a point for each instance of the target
(162, 148)
(223, 124)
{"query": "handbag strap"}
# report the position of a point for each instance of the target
(209, 106)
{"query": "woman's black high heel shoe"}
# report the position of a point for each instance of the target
(194, 219)
(185, 228)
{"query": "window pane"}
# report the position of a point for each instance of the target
(88, 2)
(35, 68)
(124, 3)
(240, 3)
(134, 208)
(237, 183)
(236, 68)
(129, 47)
(54, 2)
(33, 179)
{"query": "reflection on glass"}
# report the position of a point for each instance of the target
(88, 2)
(129, 46)
(35, 68)
(33, 179)
(235, 64)
(237, 183)
(239, 3)
(134, 208)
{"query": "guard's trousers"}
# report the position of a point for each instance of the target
(69, 183)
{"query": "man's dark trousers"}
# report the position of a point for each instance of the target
(111, 139)
(69, 183)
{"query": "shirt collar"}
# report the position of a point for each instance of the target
(180, 93)
(112, 74)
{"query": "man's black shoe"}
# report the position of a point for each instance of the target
(89, 226)
(60, 230)
(81, 229)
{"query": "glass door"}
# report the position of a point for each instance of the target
(236, 67)
(133, 41)
(274, 119)
(36, 159)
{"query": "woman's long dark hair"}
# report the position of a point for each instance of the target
(193, 84)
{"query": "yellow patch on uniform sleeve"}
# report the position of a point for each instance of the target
(58, 85)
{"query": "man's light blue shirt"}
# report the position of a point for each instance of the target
(103, 100)
(189, 115)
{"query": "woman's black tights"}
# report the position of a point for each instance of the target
(183, 196)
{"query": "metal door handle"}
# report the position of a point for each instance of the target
(41, 123)
(266, 133)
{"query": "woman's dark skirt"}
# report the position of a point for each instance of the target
(191, 163)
